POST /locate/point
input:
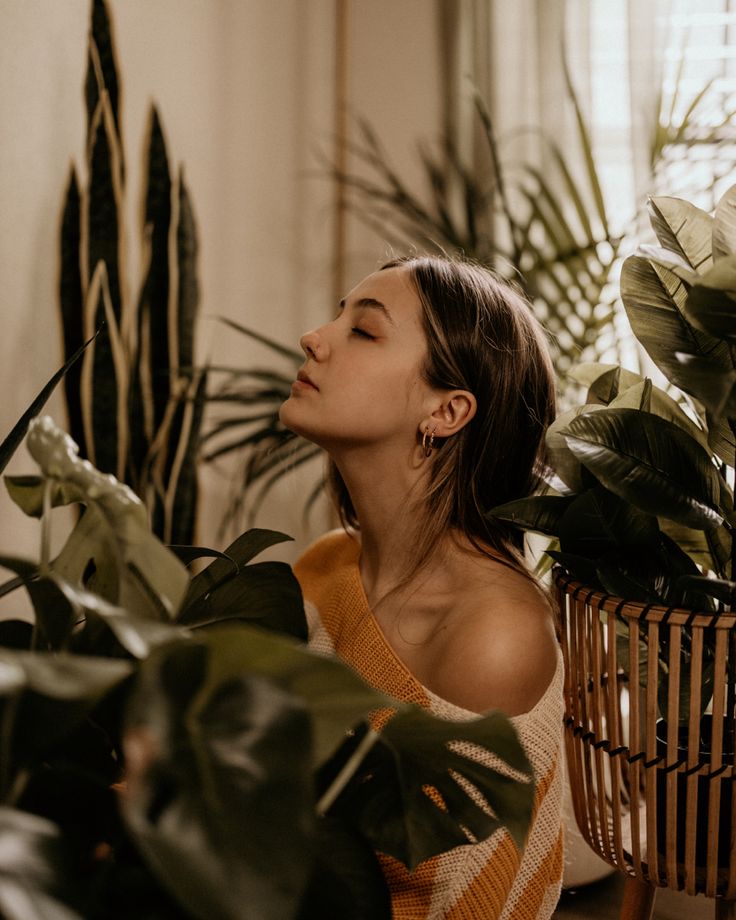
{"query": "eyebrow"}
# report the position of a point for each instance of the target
(372, 304)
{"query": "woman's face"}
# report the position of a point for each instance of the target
(361, 381)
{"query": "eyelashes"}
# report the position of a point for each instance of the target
(356, 330)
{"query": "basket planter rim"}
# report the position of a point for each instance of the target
(639, 610)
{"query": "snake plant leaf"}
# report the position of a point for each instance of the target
(219, 795)
(71, 300)
(104, 408)
(649, 462)
(540, 513)
(182, 492)
(684, 229)
(53, 693)
(18, 432)
(263, 594)
(102, 70)
(151, 380)
(36, 867)
(655, 302)
(187, 288)
(420, 761)
(724, 225)
(598, 522)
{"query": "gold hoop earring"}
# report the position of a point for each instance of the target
(428, 441)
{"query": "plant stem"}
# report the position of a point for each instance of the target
(46, 529)
(347, 772)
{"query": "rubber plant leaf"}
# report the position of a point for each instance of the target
(649, 462)
(219, 791)
(655, 305)
(724, 225)
(36, 867)
(540, 513)
(560, 457)
(710, 304)
(654, 576)
(684, 229)
(410, 795)
(598, 521)
(713, 386)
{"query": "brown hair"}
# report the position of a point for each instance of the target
(481, 337)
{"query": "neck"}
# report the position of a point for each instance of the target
(387, 497)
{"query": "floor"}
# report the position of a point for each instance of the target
(602, 901)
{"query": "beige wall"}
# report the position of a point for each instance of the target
(245, 89)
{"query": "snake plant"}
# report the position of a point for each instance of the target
(134, 402)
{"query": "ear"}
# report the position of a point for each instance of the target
(456, 409)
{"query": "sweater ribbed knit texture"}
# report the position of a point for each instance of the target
(490, 880)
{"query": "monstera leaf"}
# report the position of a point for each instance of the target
(411, 794)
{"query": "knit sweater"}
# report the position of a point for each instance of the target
(490, 880)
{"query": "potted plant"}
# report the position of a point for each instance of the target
(169, 748)
(640, 504)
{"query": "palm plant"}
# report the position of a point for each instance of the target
(134, 403)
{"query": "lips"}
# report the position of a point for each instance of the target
(306, 380)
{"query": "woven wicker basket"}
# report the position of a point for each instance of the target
(650, 796)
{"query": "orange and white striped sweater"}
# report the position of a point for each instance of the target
(491, 880)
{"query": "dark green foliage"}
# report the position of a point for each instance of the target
(186, 767)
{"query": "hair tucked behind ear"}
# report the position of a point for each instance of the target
(481, 337)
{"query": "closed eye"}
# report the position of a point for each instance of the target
(356, 330)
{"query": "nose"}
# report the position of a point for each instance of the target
(313, 345)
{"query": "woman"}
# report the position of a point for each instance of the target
(431, 391)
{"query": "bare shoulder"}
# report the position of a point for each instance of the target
(500, 649)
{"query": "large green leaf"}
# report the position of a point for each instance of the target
(710, 304)
(346, 881)
(598, 522)
(564, 462)
(420, 760)
(55, 617)
(683, 228)
(264, 594)
(45, 696)
(113, 532)
(650, 462)
(35, 868)
(724, 225)
(655, 305)
(219, 786)
(541, 513)
(715, 387)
